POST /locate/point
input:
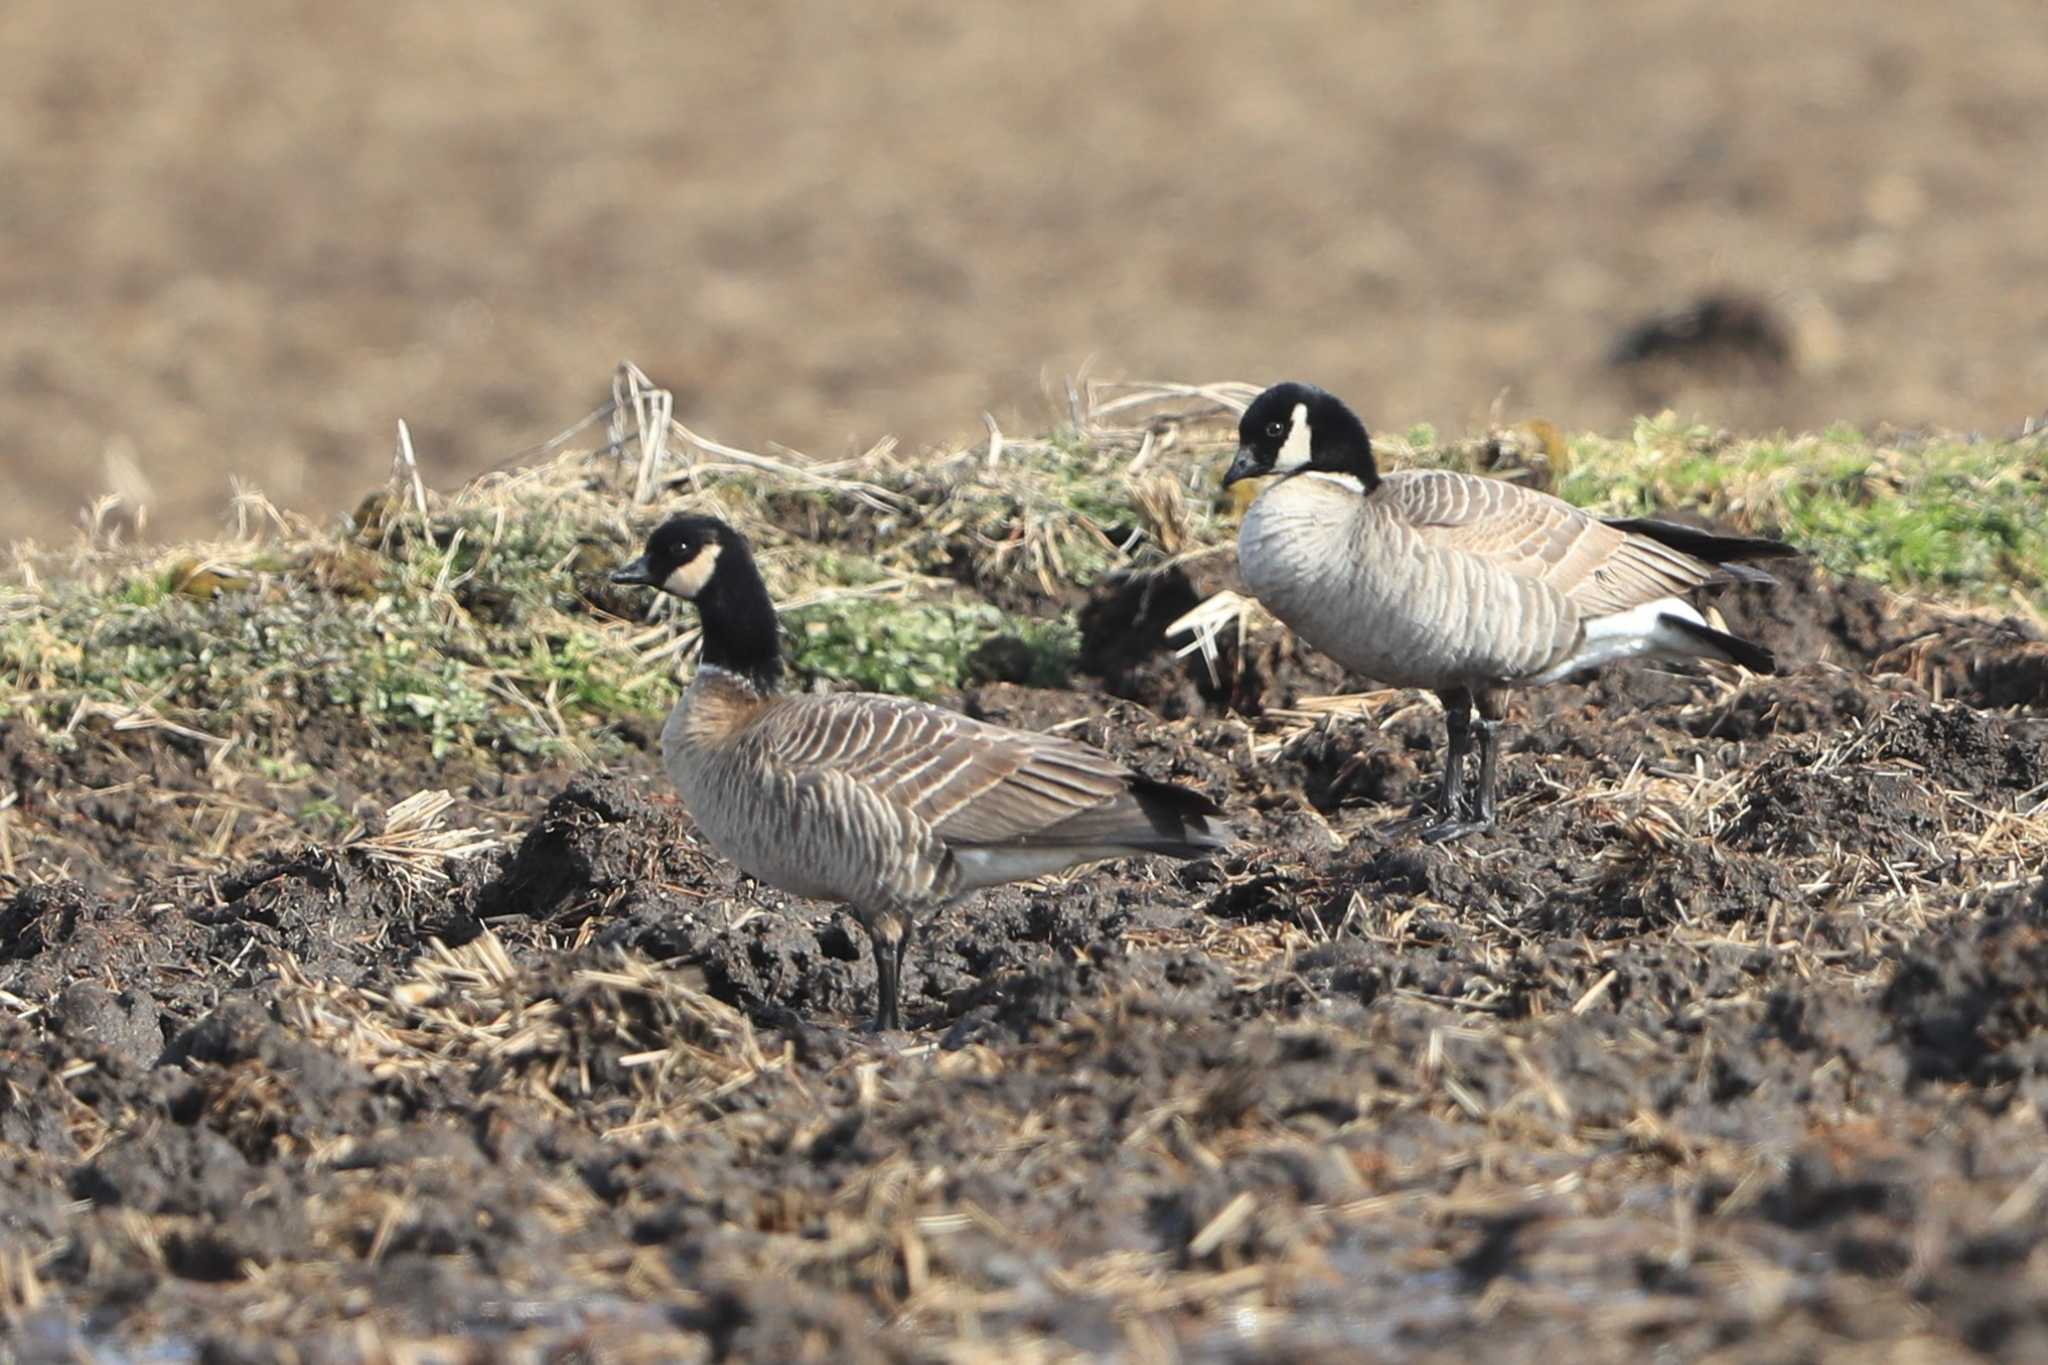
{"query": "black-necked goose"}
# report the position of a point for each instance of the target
(891, 807)
(1464, 585)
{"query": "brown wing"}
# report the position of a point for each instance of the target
(970, 782)
(1534, 535)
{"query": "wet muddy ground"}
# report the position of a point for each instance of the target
(1732, 1043)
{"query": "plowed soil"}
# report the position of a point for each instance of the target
(1730, 1043)
(246, 245)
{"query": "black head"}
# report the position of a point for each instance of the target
(1291, 427)
(683, 556)
(705, 561)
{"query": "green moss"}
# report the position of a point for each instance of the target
(848, 570)
(143, 590)
(283, 771)
(922, 649)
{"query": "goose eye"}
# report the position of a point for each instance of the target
(1276, 430)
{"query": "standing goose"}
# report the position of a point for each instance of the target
(891, 807)
(1464, 585)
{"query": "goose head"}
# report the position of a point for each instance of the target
(705, 562)
(682, 556)
(1294, 427)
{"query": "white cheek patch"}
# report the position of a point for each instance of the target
(689, 579)
(1294, 452)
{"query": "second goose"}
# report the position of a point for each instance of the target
(890, 807)
(1468, 586)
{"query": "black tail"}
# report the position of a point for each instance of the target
(1149, 817)
(1733, 648)
(1710, 546)
(1187, 823)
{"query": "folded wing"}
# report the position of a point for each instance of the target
(973, 783)
(1601, 568)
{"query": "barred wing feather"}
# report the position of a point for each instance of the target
(1599, 568)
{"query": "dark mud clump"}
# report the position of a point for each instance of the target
(1123, 634)
(1812, 617)
(1970, 1000)
(1885, 787)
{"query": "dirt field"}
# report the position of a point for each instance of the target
(1729, 1045)
(246, 241)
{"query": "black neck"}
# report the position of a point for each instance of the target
(740, 631)
(1343, 447)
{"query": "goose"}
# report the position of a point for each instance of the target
(890, 807)
(1464, 585)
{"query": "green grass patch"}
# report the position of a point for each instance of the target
(925, 649)
(466, 640)
(1965, 519)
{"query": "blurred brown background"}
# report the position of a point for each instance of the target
(246, 238)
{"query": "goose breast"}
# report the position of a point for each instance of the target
(810, 832)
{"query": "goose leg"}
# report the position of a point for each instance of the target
(903, 942)
(1458, 743)
(1492, 712)
(1458, 819)
(1482, 799)
(888, 936)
